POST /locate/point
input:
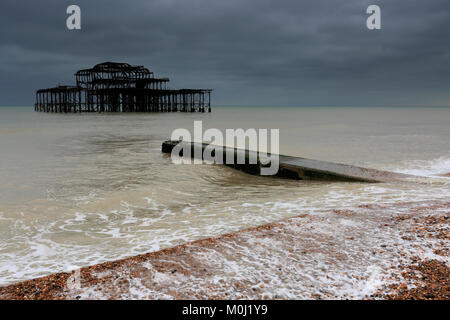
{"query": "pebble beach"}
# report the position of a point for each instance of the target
(278, 261)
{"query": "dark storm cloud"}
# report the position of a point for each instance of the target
(315, 52)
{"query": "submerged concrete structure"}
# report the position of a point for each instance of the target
(121, 87)
(293, 167)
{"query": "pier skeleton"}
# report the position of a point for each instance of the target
(121, 87)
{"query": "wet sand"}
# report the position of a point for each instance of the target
(278, 261)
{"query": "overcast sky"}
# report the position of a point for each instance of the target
(251, 52)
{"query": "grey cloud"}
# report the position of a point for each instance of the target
(250, 51)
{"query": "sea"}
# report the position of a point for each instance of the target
(80, 189)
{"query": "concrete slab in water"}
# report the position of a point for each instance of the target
(296, 167)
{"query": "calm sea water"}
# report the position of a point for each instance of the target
(78, 189)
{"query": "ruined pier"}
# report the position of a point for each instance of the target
(120, 87)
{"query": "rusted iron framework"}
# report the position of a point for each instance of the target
(120, 87)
